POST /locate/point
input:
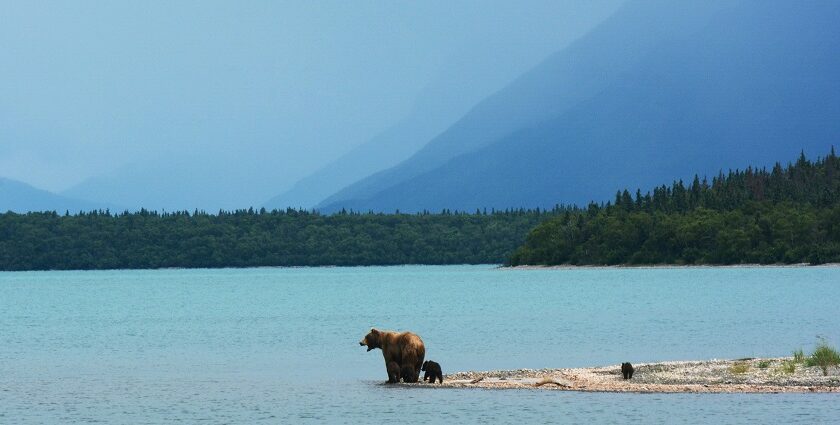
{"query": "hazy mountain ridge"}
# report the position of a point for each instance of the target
(384, 150)
(233, 109)
(752, 86)
(557, 84)
(171, 184)
(446, 99)
(17, 196)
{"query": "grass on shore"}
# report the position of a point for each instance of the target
(823, 356)
(788, 367)
(798, 356)
(739, 368)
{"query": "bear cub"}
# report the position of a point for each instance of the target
(393, 372)
(433, 372)
(627, 370)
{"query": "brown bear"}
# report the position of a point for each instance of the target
(407, 372)
(404, 348)
(627, 370)
(433, 371)
(393, 373)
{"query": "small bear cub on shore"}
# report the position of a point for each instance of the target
(627, 370)
(393, 372)
(432, 370)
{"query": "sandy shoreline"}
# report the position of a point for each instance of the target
(764, 375)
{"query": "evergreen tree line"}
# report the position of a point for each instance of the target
(784, 215)
(249, 238)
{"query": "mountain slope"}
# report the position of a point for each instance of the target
(175, 183)
(383, 151)
(558, 83)
(753, 85)
(20, 197)
(468, 75)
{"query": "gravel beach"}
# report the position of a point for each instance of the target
(758, 375)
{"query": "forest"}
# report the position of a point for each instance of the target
(249, 238)
(785, 215)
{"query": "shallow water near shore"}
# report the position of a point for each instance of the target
(281, 345)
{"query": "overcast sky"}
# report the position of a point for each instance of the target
(87, 87)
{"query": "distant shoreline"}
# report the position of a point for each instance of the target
(671, 266)
(493, 265)
(753, 375)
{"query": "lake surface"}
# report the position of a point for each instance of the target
(281, 345)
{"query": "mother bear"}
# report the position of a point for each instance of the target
(405, 348)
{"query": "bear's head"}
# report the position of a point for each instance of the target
(423, 368)
(372, 340)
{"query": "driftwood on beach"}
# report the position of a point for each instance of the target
(768, 375)
(552, 381)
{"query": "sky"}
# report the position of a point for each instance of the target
(258, 93)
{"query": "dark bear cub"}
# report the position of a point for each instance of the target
(433, 372)
(627, 370)
(393, 372)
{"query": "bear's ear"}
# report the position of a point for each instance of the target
(374, 331)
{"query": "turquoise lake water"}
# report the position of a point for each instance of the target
(281, 345)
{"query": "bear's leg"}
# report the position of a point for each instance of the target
(630, 375)
(388, 371)
(440, 377)
(412, 366)
(407, 373)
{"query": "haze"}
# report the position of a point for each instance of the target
(225, 104)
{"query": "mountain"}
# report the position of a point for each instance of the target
(558, 83)
(471, 73)
(20, 197)
(661, 89)
(383, 151)
(176, 183)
